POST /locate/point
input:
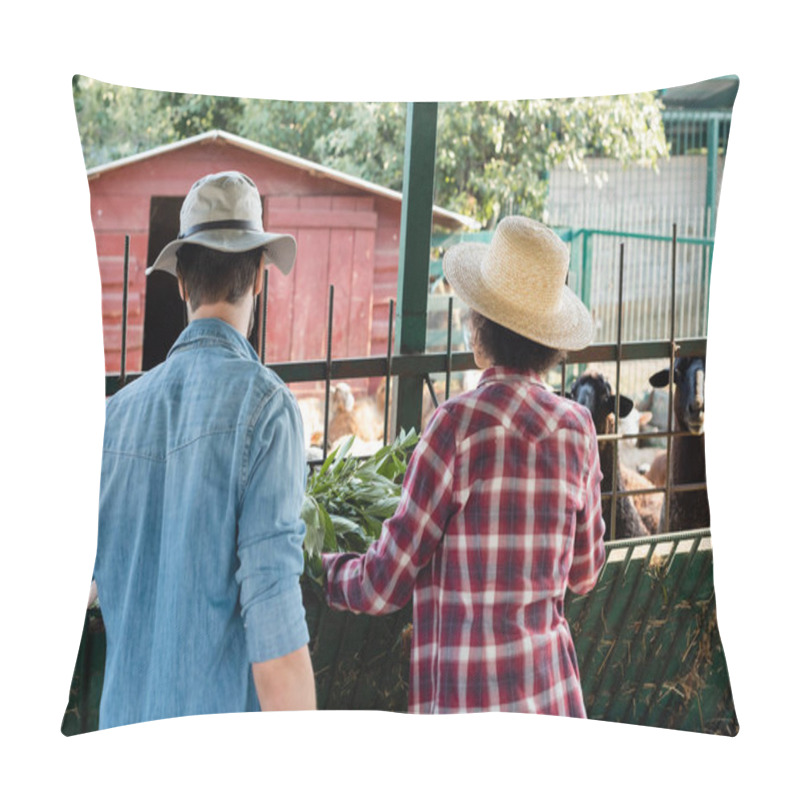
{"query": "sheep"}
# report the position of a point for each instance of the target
(657, 471)
(360, 418)
(636, 422)
(593, 391)
(656, 403)
(687, 510)
(648, 503)
(311, 414)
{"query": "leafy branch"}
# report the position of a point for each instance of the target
(348, 499)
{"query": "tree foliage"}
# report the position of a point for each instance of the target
(493, 158)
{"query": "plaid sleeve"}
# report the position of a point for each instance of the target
(382, 580)
(589, 550)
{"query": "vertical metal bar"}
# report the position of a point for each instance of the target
(710, 221)
(619, 327)
(586, 280)
(328, 376)
(449, 347)
(712, 146)
(709, 249)
(672, 352)
(415, 245)
(614, 493)
(124, 346)
(264, 296)
(388, 384)
(431, 390)
(586, 270)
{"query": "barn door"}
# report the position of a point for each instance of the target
(335, 245)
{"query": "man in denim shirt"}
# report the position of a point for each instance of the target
(200, 537)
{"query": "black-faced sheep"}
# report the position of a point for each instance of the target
(687, 464)
(594, 392)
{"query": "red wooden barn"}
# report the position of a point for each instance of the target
(347, 231)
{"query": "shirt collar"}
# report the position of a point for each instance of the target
(210, 332)
(508, 375)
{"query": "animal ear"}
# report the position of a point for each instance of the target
(660, 379)
(625, 405)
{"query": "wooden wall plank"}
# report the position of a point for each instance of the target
(310, 299)
(280, 312)
(340, 270)
(361, 293)
(319, 218)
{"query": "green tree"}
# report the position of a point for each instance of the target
(190, 114)
(293, 127)
(493, 158)
(117, 121)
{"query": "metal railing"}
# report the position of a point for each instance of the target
(425, 365)
(647, 640)
(647, 297)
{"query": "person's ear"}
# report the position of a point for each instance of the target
(181, 288)
(259, 285)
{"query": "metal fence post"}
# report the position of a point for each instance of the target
(415, 247)
(712, 146)
(710, 218)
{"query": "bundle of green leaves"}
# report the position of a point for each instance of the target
(348, 499)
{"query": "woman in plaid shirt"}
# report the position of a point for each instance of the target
(500, 509)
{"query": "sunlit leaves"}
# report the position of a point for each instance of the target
(348, 498)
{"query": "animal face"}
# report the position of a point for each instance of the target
(593, 391)
(689, 404)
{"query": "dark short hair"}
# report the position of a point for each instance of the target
(211, 276)
(508, 349)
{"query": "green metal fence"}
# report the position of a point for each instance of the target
(646, 307)
(684, 189)
(647, 297)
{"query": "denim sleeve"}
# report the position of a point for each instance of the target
(271, 531)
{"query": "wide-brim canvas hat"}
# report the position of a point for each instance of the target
(518, 280)
(223, 212)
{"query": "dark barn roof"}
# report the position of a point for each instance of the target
(716, 94)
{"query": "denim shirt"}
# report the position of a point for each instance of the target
(200, 538)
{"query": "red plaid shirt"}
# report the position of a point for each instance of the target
(500, 513)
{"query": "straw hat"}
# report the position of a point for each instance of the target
(519, 281)
(223, 212)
